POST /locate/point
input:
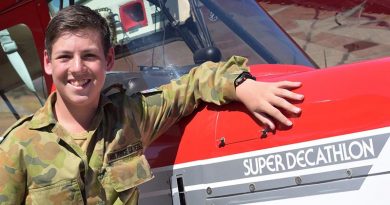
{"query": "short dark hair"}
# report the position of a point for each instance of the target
(75, 18)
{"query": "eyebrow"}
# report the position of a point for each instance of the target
(89, 50)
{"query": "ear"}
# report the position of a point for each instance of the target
(47, 63)
(110, 58)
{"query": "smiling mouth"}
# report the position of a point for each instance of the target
(79, 83)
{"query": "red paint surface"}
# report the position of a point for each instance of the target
(340, 100)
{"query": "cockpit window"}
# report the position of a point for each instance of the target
(150, 33)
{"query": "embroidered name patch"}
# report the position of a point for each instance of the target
(119, 154)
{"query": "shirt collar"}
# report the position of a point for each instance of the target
(45, 115)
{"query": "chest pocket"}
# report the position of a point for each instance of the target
(63, 192)
(128, 172)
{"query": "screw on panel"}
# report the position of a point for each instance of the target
(252, 187)
(222, 142)
(349, 173)
(209, 191)
(298, 180)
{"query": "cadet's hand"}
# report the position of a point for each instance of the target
(264, 99)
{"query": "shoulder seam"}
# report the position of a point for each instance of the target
(16, 124)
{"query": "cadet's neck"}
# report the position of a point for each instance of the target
(75, 118)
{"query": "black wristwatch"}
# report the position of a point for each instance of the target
(242, 78)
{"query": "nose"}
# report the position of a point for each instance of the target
(78, 65)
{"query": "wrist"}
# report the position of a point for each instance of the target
(242, 78)
(243, 90)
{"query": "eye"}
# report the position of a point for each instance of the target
(90, 56)
(63, 58)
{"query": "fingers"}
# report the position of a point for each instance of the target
(284, 104)
(282, 95)
(273, 106)
(288, 84)
(274, 113)
(288, 94)
(264, 99)
(265, 120)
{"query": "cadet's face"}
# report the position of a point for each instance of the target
(78, 66)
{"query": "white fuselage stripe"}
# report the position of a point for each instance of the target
(249, 180)
(277, 149)
(293, 173)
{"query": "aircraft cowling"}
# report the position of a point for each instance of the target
(338, 100)
(337, 148)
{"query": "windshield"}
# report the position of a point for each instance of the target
(168, 33)
(164, 39)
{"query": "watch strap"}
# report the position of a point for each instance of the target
(242, 78)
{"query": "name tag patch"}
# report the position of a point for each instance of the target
(130, 150)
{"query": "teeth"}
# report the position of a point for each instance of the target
(78, 83)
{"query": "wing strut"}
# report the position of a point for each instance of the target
(9, 104)
(9, 47)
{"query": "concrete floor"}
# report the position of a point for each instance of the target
(332, 37)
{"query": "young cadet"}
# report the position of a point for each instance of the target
(86, 148)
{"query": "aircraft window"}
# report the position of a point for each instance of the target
(20, 74)
(226, 40)
(248, 21)
(175, 53)
(335, 32)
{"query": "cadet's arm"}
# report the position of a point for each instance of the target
(209, 82)
(213, 83)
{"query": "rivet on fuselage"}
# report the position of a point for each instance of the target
(349, 173)
(298, 180)
(252, 187)
(209, 191)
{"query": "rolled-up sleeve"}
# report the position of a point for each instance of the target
(158, 110)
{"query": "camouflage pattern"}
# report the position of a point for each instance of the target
(40, 163)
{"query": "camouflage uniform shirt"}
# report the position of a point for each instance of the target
(41, 163)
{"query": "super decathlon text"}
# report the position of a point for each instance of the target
(310, 157)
